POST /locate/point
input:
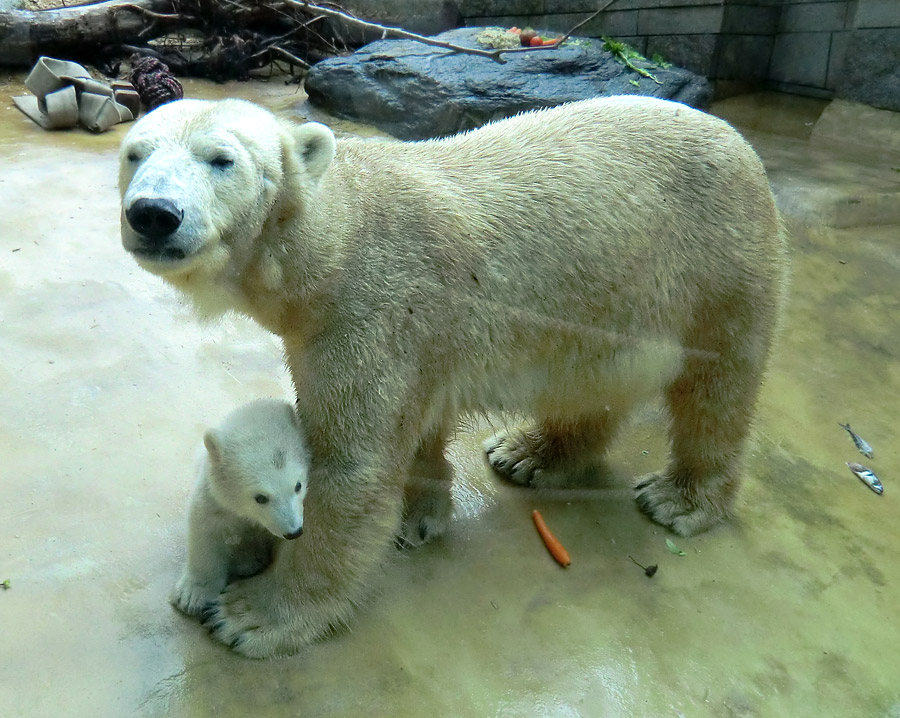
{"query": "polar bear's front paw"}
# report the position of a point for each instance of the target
(192, 597)
(512, 457)
(428, 507)
(259, 619)
(663, 501)
(243, 622)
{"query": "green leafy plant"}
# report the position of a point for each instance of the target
(657, 60)
(627, 55)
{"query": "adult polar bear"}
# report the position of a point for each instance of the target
(565, 263)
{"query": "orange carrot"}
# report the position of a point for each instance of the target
(550, 541)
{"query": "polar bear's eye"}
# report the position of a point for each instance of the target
(133, 156)
(298, 487)
(261, 499)
(221, 162)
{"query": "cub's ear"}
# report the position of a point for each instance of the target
(213, 445)
(315, 146)
(292, 413)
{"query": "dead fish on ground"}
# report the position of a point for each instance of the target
(861, 444)
(867, 476)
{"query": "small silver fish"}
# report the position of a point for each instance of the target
(861, 444)
(867, 476)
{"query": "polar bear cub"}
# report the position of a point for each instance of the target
(248, 497)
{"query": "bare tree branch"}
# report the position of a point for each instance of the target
(148, 12)
(386, 31)
(289, 57)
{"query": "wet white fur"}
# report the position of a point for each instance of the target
(563, 264)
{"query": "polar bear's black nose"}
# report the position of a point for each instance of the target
(294, 535)
(154, 218)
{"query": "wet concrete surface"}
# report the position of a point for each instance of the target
(107, 382)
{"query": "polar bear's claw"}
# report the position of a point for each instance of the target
(663, 501)
(427, 512)
(512, 458)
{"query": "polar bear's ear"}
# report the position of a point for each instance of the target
(212, 444)
(315, 146)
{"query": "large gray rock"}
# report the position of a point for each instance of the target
(414, 91)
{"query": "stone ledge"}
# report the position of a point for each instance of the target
(844, 121)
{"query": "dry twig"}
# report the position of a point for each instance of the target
(148, 13)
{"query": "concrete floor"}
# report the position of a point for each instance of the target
(107, 383)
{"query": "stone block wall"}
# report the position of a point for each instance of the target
(682, 31)
(849, 48)
(811, 43)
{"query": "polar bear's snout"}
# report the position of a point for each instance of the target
(156, 220)
(296, 534)
(164, 215)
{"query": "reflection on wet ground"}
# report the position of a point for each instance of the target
(108, 381)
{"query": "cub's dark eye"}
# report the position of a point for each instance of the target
(133, 156)
(261, 499)
(221, 163)
(298, 487)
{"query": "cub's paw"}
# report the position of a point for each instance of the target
(427, 509)
(664, 502)
(512, 457)
(192, 597)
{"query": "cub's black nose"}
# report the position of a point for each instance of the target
(154, 218)
(294, 535)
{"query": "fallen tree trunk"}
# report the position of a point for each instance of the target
(80, 31)
(201, 38)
